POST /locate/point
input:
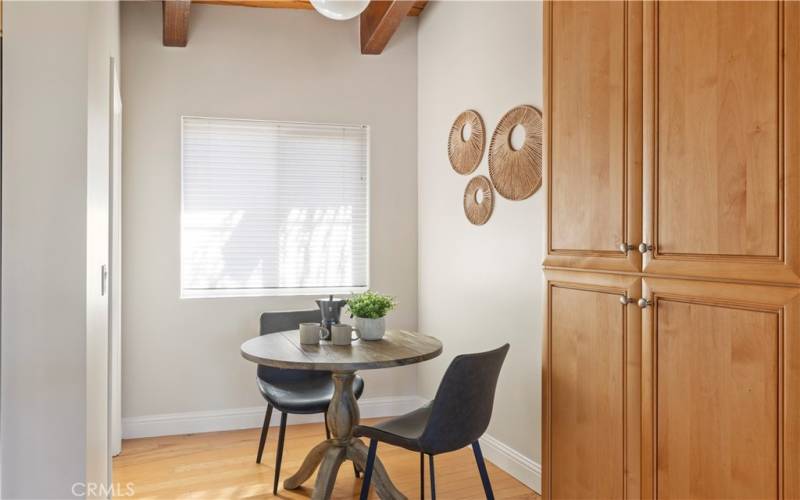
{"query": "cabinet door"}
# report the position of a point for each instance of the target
(722, 139)
(591, 410)
(593, 136)
(721, 387)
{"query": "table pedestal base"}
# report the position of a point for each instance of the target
(329, 455)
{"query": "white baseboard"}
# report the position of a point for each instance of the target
(195, 422)
(515, 463)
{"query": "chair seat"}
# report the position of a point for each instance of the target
(312, 395)
(403, 431)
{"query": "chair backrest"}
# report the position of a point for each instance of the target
(274, 322)
(462, 407)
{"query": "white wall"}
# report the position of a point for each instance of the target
(481, 286)
(182, 356)
(44, 248)
(53, 399)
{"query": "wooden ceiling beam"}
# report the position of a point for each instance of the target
(419, 5)
(380, 21)
(265, 4)
(175, 14)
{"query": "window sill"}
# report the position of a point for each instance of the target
(269, 292)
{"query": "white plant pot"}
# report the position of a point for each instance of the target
(371, 328)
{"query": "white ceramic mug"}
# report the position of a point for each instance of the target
(343, 334)
(311, 332)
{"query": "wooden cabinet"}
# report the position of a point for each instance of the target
(674, 125)
(593, 135)
(592, 387)
(722, 139)
(721, 391)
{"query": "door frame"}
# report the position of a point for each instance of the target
(115, 265)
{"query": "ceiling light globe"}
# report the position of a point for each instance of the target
(340, 10)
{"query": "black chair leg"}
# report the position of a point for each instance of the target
(421, 476)
(433, 478)
(373, 448)
(279, 457)
(264, 430)
(487, 485)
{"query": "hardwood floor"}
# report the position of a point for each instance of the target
(222, 465)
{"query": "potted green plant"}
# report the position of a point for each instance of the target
(370, 309)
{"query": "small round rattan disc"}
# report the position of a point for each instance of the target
(466, 155)
(478, 212)
(517, 173)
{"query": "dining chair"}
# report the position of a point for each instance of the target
(293, 391)
(457, 417)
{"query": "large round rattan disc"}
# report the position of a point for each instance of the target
(478, 200)
(517, 173)
(465, 155)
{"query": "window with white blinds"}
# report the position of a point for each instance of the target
(273, 208)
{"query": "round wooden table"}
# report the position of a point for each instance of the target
(284, 350)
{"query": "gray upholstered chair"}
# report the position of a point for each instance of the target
(457, 417)
(293, 391)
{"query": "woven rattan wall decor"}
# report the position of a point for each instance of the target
(517, 173)
(478, 200)
(465, 155)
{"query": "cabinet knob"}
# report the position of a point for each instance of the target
(644, 248)
(625, 300)
(643, 303)
(625, 247)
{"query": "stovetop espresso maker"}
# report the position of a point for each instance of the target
(331, 310)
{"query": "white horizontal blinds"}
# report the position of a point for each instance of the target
(269, 207)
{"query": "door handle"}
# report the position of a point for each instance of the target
(103, 279)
